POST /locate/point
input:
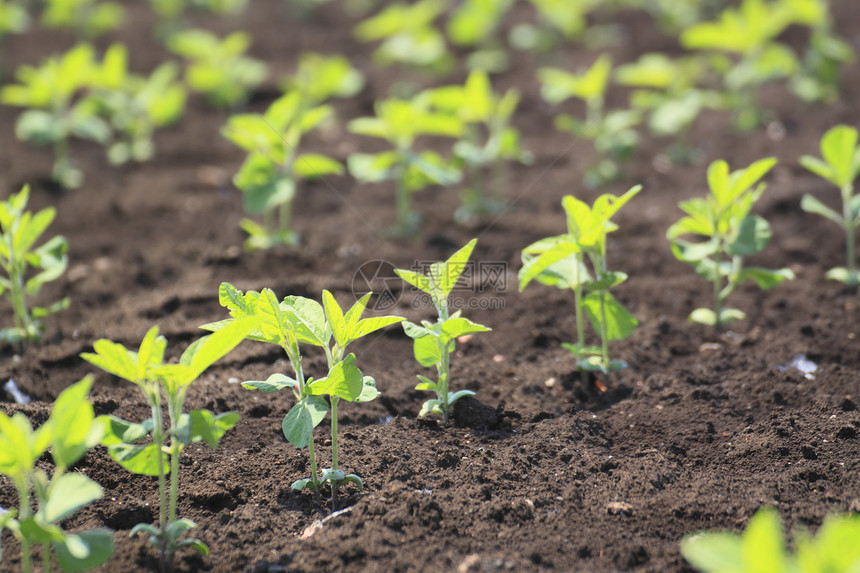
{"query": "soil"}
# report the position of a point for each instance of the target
(541, 470)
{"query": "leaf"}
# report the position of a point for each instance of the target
(210, 428)
(315, 166)
(839, 148)
(456, 327)
(178, 528)
(195, 544)
(727, 315)
(427, 352)
(344, 380)
(811, 204)
(454, 396)
(307, 318)
(704, 316)
(368, 391)
(619, 322)
(762, 544)
(714, 552)
(299, 423)
(430, 407)
(352, 478)
(820, 168)
(118, 430)
(444, 275)
(753, 235)
(426, 384)
(99, 547)
(113, 357)
(764, 278)
(71, 424)
(205, 351)
(67, 494)
(139, 459)
(536, 265)
(693, 252)
(372, 168)
(272, 384)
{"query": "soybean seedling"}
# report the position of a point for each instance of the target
(435, 341)
(488, 139)
(319, 78)
(21, 230)
(400, 122)
(71, 431)
(171, 432)
(558, 21)
(55, 113)
(274, 166)
(217, 68)
(761, 547)
(560, 261)
(475, 24)
(612, 133)
(731, 233)
(298, 320)
(88, 18)
(840, 166)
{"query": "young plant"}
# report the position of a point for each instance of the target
(319, 78)
(71, 430)
(761, 547)
(298, 320)
(269, 176)
(475, 24)
(13, 18)
(435, 341)
(840, 166)
(612, 133)
(731, 233)
(135, 106)
(217, 68)
(55, 113)
(21, 230)
(88, 18)
(488, 139)
(558, 21)
(400, 122)
(560, 261)
(165, 383)
(820, 75)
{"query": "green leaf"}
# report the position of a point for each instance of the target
(430, 407)
(299, 423)
(839, 150)
(727, 315)
(764, 278)
(704, 316)
(195, 544)
(427, 351)
(426, 384)
(693, 252)
(210, 428)
(99, 547)
(444, 275)
(811, 204)
(139, 459)
(314, 166)
(368, 391)
(352, 478)
(714, 552)
(763, 545)
(820, 168)
(456, 327)
(753, 235)
(619, 322)
(344, 380)
(454, 396)
(307, 318)
(119, 431)
(842, 275)
(536, 265)
(67, 494)
(205, 351)
(72, 427)
(178, 528)
(372, 168)
(272, 384)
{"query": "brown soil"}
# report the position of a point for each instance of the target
(540, 471)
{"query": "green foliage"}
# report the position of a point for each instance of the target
(298, 320)
(821, 67)
(145, 448)
(612, 133)
(88, 18)
(408, 35)
(135, 106)
(488, 138)
(71, 430)
(475, 24)
(269, 175)
(435, 341)
(723, 218)
(558, 20)
(13, 18)
(840, 165)
(319, 78)
(761, 547)
(55, 111)
(21, 230)
(217, 68)
(399, 123)
(560, 261)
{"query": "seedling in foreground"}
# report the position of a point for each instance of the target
(160, 383)
(560, 261)
(761, 547)
(269, 175)
(840, 166)
(435, 341)
(71, 430)
(298, 320)
(731, 234)
(21, 230)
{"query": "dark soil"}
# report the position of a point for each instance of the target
(540, 470)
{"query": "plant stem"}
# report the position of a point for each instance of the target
(47, 562)
(173, 410)
(334, 484)
(718, 302)
(577, 306)
(158, 439)
(404, 206)
(296, 360)
(285, 224)
(851, 266)
(604, 332)
(24, 512)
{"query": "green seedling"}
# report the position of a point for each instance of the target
(13, 18)
(558, 21)
(475, 24)
(761, 547)
(88, 18)
(821, 67)
(319, 78)
(408, 36)
(399, 123)
(488, 139)
(153, 447)
(269, 176)
(436, 341)
(55, 111)
(21, 230)
(71, 431)
(561, 261)
(731, 233)
(217, 68)
(135, 106)
(612, 133)
(840, 166)
(298, 320)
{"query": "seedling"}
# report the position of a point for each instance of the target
(435, 341)
(560, 261)
(821, 67)
(71, 430)
(558, 21)
(761, 547)
(55, 114)
(165, 383)
(488, 139)
(400, 122)
(274, 166)
(217, 68)
(21, 230)
(298, 320)
(840, 166)
(135, 105)
(475, 24)
(731, 234)
(612, 133)
(319, 78)
(88, 18)
(13, 19)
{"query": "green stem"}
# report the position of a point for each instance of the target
(296, 360)
(47, 562)
(604, 332)
(24, 512)
(158, 439)
(404, 206)
(334, 483)
(174, 410)
(851, 266)
(285, 224)
(718, 301)
(577, 306)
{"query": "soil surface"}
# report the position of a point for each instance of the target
(540, 471)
